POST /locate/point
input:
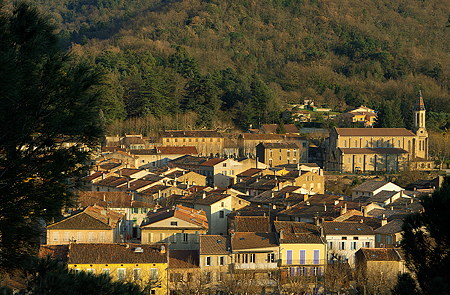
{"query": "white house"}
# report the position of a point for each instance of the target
(345, 238)
(373, 187)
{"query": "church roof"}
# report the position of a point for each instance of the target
(420, 106)
(374, 132)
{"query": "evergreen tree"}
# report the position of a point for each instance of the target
(47, 100)
(389, 115)
(426, 242)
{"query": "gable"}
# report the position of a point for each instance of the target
(80, 221)
(166, 224)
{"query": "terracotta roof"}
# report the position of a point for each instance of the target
(183, 259)
(212, 162)
(260, 224)
(143, 152)
(292, 232)
(59, 252)
(346, 228)
(109, 199)
(177, 150)
(378, 151)
(112, 181)
(214, 245)
(140, 183)
(374, 132)
(116, 253)
(392, 227)
(92, 176)
(154, 189)
(204, 198)
(262, 137)
(242, 241)
(193, 216)
(249, 172)
(188, 160)
(279, 145)
(129, 171)
(382, 196)
(93, 217)
(381, 254)
(370, 185)
(191, 133)
(134, 140)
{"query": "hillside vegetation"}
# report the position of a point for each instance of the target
(238, 62)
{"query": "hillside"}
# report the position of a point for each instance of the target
(240, 62)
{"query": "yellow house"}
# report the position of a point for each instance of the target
(95, 224)
(303, 252)
(207, 142)
(179, 226)
(145, 265)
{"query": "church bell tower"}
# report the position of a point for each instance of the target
(421, 140)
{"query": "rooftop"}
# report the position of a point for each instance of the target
(242, 241)
(346, 228)
(378, 151)
(190, 133)
(374, 132)
(381, 254)
(292, 232)
(214, 245)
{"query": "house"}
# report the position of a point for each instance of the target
(302, 249)
(216, 206)
(94, 224)
(389, 234)
(207, 142)
(379, 268)
(179, 227)
(385, 198)
(144, 265)
(134, 212)
(380, 149)
(256, 253)
(133, 142)
(220, 172)
(215, 258)
(345, 238)
(274, 154)
(161, 155)
(248, 141)
(361, 115)
(370, 188)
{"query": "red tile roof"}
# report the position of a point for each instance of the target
(214, 245)
(242, 241)
(374, 132)
(190, 215)
(212, 162)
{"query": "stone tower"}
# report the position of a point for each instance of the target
(421, 142)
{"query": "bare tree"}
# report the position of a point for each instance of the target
(438, 147)
(379, 278)
(337, 277)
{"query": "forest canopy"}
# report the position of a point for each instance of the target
(240, 62)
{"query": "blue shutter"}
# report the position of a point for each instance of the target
(288, 256)
(302, 256)
(316, 256)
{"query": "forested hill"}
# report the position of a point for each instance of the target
(241, 61)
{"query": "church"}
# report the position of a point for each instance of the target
(360, 150)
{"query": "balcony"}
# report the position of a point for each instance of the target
(306, 262)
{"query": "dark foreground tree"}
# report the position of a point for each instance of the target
(49, 120)
(426, 242)
(49, 277)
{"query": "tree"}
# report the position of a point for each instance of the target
(389, 115)
(50, 120)
(426, 242)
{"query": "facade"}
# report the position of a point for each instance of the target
(160, 155)
(144, 265)
(208, 142)
(274, 154)
(389, 235)
(94, 224)
(180, 227)
(216, 207)
(215, 257)
(303, 252)
(380, 149)
(345, 238)
(220, 172)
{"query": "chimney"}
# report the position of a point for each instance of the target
(344, 210)
(384, 220)
(324, 207)
(305, 197)
(204, 195)
(162, 250)
(104, 198)
(287, 195)
(272, 194)
(316, 221)
(128, 184)
(282, 234)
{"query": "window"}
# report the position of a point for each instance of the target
(252, 258)
(162, 236)
(367, 244)
(173, 238)
(288, 256)
(316, 256)
(144, 210)
(222, 260)
(378, 238)
(271, 257)
(221, 214)
(220, 276)
(208, 277)
(342, 246)
(102, 236)
(330, 245)
(121, 274)
(66, 236)
(185, 238)
(222, 204)
(106, 271)
(153, 274)
(353, 246)
(302, 256)
(91, 237)
(208, 261)
(137, 274)
(55, 236)
(174, 223)
(388, 240)
(135, 210)
(344, 238)
(90, 270)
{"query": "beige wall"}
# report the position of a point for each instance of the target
(311, 181)
(62, 237)
(274, 157)
(205, 145)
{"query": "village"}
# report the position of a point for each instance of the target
(200, 212)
